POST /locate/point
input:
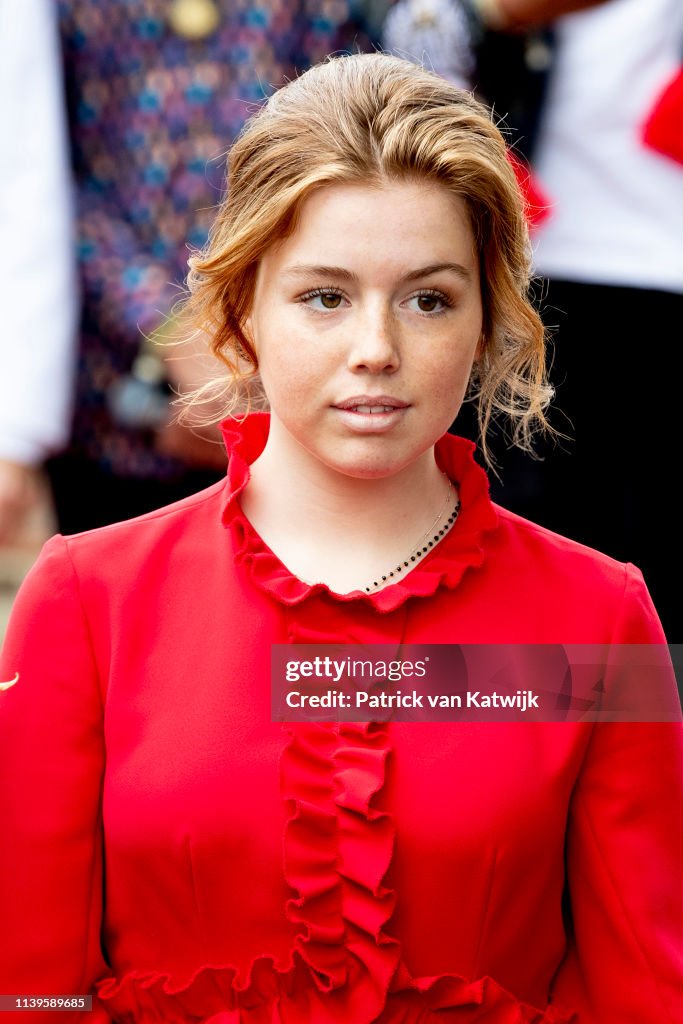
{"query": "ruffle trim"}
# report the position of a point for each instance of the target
(462, 548)
(337, 850)
(277, 997)
(210, 996)
(283, 997)
(417, 1000)
(343, 968)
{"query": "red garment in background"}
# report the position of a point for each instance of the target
(537, 203)
(663, 129)
(168, 845)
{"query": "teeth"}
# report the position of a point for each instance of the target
(373, 408)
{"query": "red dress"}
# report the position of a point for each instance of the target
(170, 848)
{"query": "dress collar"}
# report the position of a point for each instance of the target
(462, 548)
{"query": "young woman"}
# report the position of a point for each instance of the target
(167, 846)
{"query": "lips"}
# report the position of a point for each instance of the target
(371, 405)
(372, 409)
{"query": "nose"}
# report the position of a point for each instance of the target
(375, 345)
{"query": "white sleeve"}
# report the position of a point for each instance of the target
(38, 292)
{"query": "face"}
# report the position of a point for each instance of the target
(366, 322)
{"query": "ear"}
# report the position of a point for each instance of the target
(481, 345)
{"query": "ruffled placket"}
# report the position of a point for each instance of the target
(337, 849)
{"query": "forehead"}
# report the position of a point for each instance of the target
(391, 228)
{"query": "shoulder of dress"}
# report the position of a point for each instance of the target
(556, 552)
(581, 595)
(123, 544)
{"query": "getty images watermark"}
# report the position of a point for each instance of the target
(476, 682)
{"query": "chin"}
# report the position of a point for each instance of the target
(371, 465)
(367, 472)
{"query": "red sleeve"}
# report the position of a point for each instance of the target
(51, 771)
(624, 857)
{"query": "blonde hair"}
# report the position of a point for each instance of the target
(370, 118)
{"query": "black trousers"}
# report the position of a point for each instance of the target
(87, 496)
(617, 372)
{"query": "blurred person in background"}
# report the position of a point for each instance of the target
(612, 250)
(156, 90)
(459, 39)
(37, 271)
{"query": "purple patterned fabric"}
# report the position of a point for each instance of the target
(151, 116)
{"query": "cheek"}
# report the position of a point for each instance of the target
(289, 382)
(450, 368)
(294, 363)
(445, 383)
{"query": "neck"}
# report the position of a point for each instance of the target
(328, 527)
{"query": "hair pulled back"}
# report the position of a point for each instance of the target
(369, 119)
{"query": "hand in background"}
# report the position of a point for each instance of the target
(19, 493)
(187, 365)
(199, 447)
(505, 15)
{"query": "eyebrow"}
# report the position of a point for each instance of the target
(301, 270)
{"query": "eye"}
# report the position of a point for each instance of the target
(323, 298)
(430, 300)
